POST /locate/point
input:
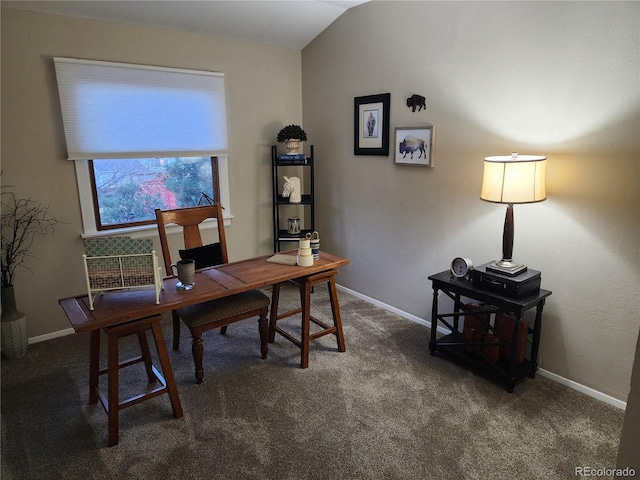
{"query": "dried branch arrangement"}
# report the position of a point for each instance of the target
(23, 219)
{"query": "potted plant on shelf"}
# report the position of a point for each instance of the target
(22, 221)
(292, 135)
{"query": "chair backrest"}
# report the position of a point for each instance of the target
(190, 219)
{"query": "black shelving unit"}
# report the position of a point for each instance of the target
(453, 344)
(306, 207)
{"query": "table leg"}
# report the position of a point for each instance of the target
(434, 322)
(457, 309)
(176, 329)
(305, 300)
(112, 388)
(515, 345)
(535, 342)
(94, 366)
(275, 296)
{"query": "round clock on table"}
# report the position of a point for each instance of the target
(461, 267)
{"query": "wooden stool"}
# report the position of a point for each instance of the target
(305, 284)
(111, 402)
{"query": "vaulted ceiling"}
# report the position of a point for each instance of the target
(290, 24)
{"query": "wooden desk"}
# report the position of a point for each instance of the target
(116, 309)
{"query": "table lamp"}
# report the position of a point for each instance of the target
(512, 179)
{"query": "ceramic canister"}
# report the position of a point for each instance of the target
(304, 260)
(315, 245)
(315, 248)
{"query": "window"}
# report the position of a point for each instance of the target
(127, 191)
(142, 137)
(92, 227)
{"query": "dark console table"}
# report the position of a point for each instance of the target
(454, 345)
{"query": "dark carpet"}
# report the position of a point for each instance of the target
(384, 409)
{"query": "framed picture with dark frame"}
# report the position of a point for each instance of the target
(414, 146)
(371, 125)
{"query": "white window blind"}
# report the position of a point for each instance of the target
(118, 110)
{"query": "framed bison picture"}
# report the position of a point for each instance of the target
(414, 146)
(371, 125)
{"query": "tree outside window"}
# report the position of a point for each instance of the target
(127, 191)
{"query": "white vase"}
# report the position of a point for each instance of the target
(13, 333)
(293, 146)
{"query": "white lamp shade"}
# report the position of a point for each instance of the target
(514, 179)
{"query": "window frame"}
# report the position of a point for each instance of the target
(87, 206)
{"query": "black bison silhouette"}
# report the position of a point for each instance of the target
(416, 101)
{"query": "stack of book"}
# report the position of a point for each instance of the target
(292, 158)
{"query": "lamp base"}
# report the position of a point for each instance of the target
(506, 267)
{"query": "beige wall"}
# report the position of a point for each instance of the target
(557, 78)
(263, 94)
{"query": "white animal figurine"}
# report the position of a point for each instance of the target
(292, 189)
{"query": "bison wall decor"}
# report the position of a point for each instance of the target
(416, 101)
(414, 146)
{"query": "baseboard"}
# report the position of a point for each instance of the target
(51, 336)
(581, 388)
(391, 309)
(545, 373)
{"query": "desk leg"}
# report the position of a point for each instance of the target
(305, 300)
(275, 297)
(94, 366)
(263, 330)
(535, 343)
(112, 388)
(434, 322)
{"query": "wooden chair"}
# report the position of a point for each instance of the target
(216, 313)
